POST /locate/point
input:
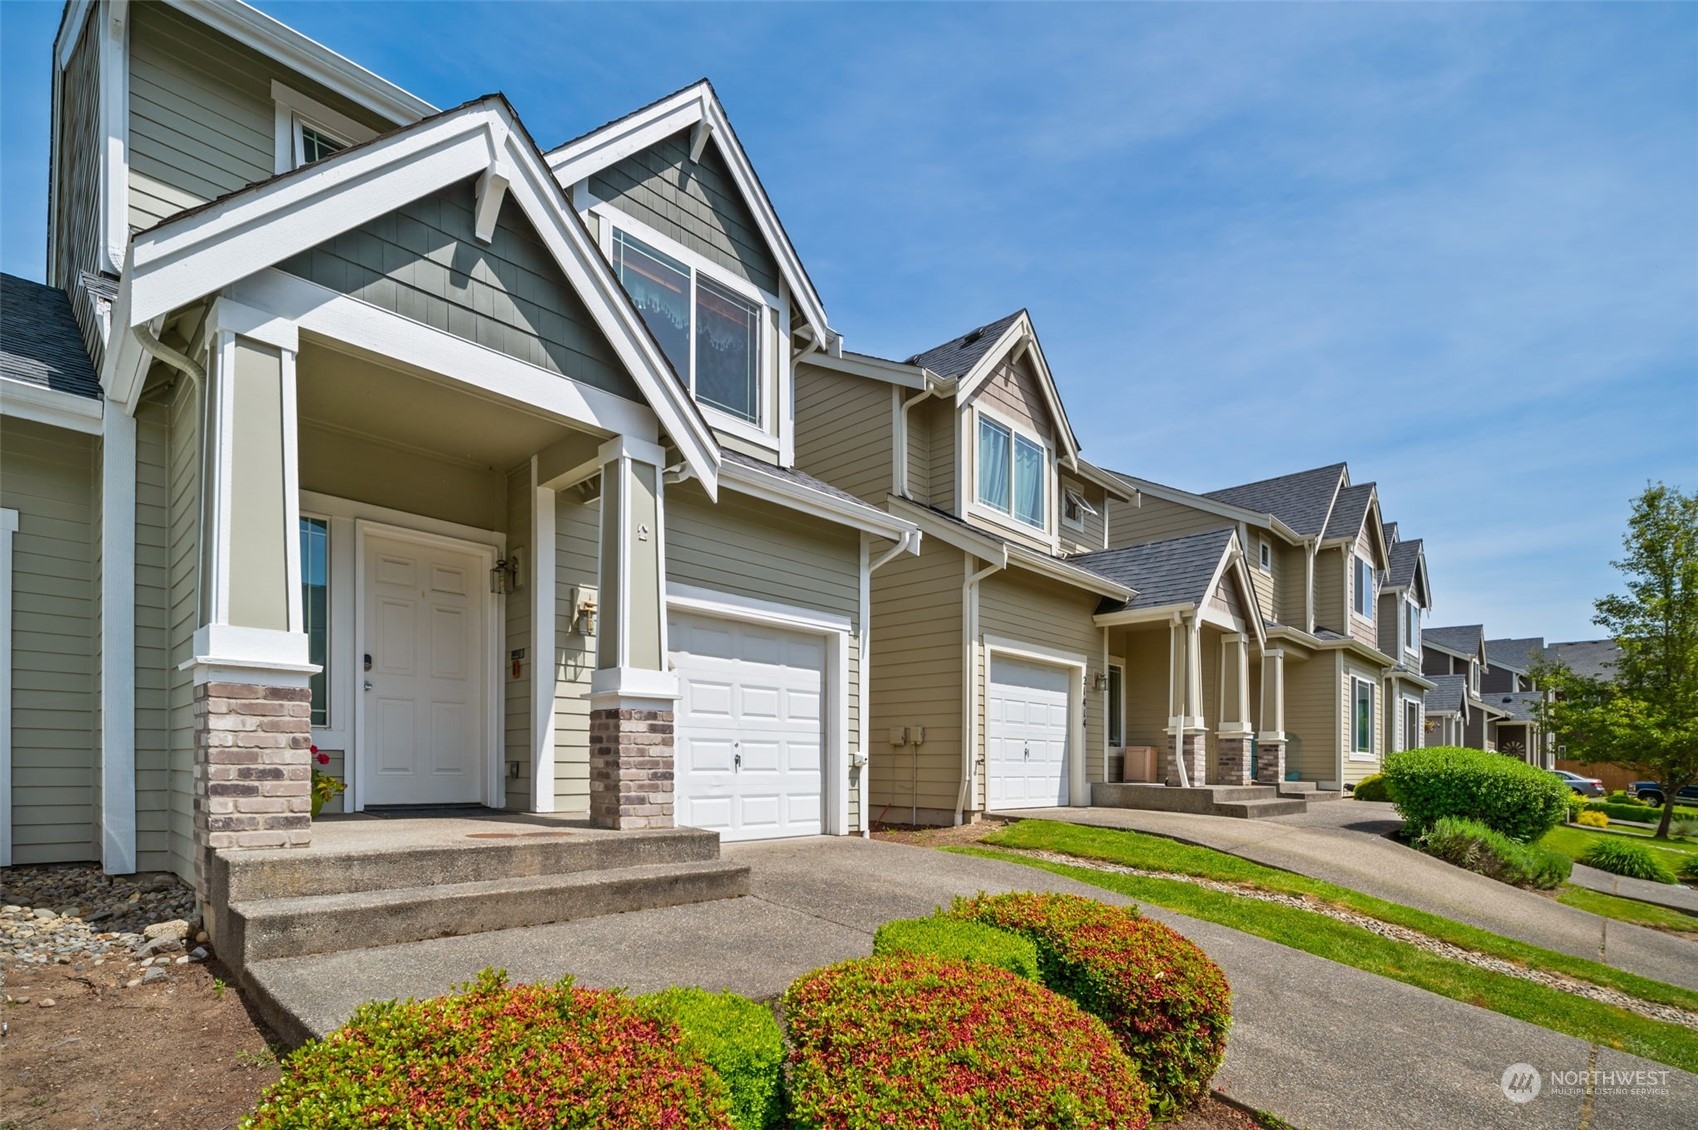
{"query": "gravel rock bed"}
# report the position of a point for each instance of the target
(1427, 942)
(69, 914)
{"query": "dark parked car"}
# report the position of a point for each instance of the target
(1652, 793)
(1582, 786)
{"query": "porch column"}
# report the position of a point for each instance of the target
(632, 694)
(1234, 733)
(1186, 757)
(1270, 743)
(252, 705)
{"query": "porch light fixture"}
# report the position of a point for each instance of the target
(1099, 683)
(504, 577)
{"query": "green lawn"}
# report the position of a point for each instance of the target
(1573, 842)
(1628, 910)
(1346, 944)
(1155, 853)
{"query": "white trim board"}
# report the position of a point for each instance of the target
(8, 529)
(118, 646)
(27, 401)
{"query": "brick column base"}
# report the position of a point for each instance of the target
(1232, 759)
(253, 769)
(1195, 748)
(631, 768)
(1270, 763)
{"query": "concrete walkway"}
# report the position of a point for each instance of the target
(1343, 842)
(1672, 895)
(1322, 1045)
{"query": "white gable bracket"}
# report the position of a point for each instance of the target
(699, 139)
(491, 191)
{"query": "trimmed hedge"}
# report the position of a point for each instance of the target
(493, 1054)
(918, 1041)
(1508, 796)
(1621, 856)
(1643, 813)
(1372, 787)
(1160, 995)
(1470, 844)
(963, 941)
(740, 1040)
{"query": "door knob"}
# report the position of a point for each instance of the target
(368, 684)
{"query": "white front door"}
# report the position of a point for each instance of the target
(1026, 735)
(749, 744)
(424, 699)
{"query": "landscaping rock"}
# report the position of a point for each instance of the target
(59, 914)
(154, 973)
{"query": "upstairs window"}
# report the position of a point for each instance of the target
(1362, 590)
(1012, 468)
(1264, 554)
(710, 333)
(1411, 626)
(313, 144)
(1074, 508)
(1362, 717)
(307, 130)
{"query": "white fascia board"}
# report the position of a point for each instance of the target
(1021, 330)
(951, 533)
(692, 106)
(70, 30)
(308, 57)
(746, 480)
(1111, 483)
(50, 406)
(1161, 613)
(197, 254)
(873, 368)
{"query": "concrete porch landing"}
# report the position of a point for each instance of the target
(374, 881)
(1247, 802)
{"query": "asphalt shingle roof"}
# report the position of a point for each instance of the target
(1301, 500)
(1465, 638)
(1405, 555)
(1515, 655)
(1176, 571)
(40, 342)
(1593, 659)
(957, 356)
(1391, 532)
(1349, 512)
(1447, 695)
(800, 478)
(1518, 704)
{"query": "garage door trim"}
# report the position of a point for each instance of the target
(1078, 793)
(835, 631)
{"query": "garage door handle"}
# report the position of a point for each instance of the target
(1026, 753)
(736, 761)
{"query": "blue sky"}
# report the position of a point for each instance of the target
(1455, 245)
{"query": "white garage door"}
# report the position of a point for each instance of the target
(1026, 735)
(750, 743)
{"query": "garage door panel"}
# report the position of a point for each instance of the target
(1026, 713)
(754, 692)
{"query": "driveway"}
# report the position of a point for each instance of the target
(1323, 1045)
(1344, 842)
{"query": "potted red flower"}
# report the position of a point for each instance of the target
(325, 788)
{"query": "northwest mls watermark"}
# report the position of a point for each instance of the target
(1522, 1082)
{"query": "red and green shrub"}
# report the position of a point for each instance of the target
(925, 1042)
(517, 1056)
(1160, 995)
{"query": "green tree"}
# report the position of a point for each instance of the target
(1645, 714)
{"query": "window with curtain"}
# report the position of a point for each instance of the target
(710, 333)
(1012, 473)
(315, 610)
(1363, 738)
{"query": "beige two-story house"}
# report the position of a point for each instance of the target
(1454, 657)
(1405, 597)
(470, 464)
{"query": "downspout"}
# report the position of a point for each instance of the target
(908, 542)
(1311, 546)
(902, 449)
(969, 682)
(186, 365)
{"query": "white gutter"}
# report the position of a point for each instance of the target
(969, 681)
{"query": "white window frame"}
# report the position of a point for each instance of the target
(773, 425)
(1356, 683)
(294, 109)
(1116, 666)
(1360, 593)
(1411, 740)
(1411, 627)
(331, 705)
(1071, 496)
(1264, 555)
(991, 514)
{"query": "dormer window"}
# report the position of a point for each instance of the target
(1474, 676)
(1363, 589)
(710, 333)
(1074, 508)
(307, 130)
(314, 144)
(1012, 470)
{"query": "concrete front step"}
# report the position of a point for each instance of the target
(1306, 790)
(264, 929)
(1242, 801)
(1256, 809)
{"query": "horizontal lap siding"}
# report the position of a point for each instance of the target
(1312, 715)
(153, 634)
(1015, 392)
(1355, 770)
(1156, 519)
(1146, 652)
(1016, 606)
(202, 121)
(916, 681)
(1263, 580)
(1366, 631)
(47, 475)
(1090, 539)
(844, 431)
(576, 545)
(184, 486)
(942, 423)
(424, 262)
(76, 219)
(1290, 586)
(695, 203)
(1332, 590)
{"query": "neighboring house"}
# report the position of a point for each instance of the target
(1405, 596)
(1447, 710)
(1461, 651)
(1591, 659)
(470, 464)
(988, 675)
(1313, 548)
(1508, 685)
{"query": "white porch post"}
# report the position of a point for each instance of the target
(118, 642)
(1270, 743)
(632, 694)
(1234, 734)
(544, 662)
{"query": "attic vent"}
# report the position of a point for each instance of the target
(974, 336)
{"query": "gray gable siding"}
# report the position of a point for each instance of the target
(696, 204)
(202, 121)
(423, 262)
(76, 218)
